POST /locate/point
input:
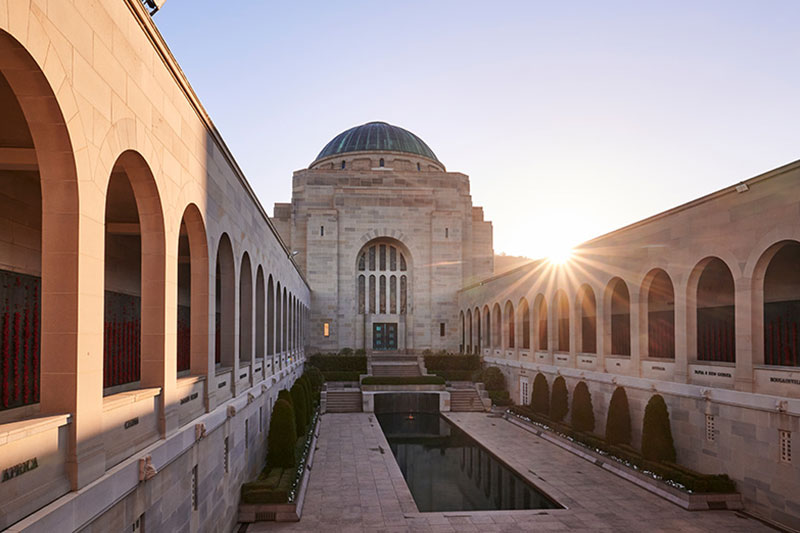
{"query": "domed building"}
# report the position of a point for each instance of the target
(386, 237)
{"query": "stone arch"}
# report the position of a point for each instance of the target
(540, 323)
(192, 238)
(270, 316)
(260, 316)
(524, 320)
(562, 321)
(586, 329)
(617, 310)
(509, 326)
(225, 304)
(710, 311)
(245, 310)
(497, 326)
(657, 316)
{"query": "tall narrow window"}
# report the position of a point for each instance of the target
(326, 329)
(362, 262)
(383, 294)
(362, 299)
(372, 294)
(372, 258)
(381, 163)
(382, 257)
(392, 258)
(419, 167)
(441, 329)
(343, 164)
(322, 231)
(194, 487)
(403, 297)
(786, 445)
(402, 262)
(446, 233)
(393, 294)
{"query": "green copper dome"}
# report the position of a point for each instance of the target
(376, 136)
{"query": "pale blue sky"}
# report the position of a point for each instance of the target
(571, 118)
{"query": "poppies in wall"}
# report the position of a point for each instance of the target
(20, 296)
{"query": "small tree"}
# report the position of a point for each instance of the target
(618, 423)
(303, 381)
(559, 403)
(493, 378)
(300, 404)
(657, 443)
(315, 377)
(282, 436)
(283, 394)
(540, 400)
(582, 410)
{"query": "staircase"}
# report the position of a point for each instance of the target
(465, 399)
(343, 401)
(395, 369)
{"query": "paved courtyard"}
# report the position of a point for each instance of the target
(356, 485)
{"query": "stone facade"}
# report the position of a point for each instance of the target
(343, 205)
(151, 292)
(632, 308)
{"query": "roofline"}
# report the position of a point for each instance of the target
(394, 152)
(794, 165)
(162, 49)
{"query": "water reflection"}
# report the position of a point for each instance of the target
(447, 470)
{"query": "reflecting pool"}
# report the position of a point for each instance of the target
(447, 470)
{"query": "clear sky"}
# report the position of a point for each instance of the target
(571, 118)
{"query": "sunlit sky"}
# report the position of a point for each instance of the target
(571, 118)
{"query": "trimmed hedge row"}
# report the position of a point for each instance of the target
(403, 380)
(453, 362)
(500, 397)
(339, 363)
(272, 486)
(457, 375)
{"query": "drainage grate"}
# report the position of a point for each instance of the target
(265, 516)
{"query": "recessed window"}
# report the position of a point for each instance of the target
(343, 164)
(446, 233)
(441, 329)
(419, 167)
(381, 163)
(194, 487)
(246, 433)
(786, 446)
(326, 329)
(710, 428)
(322, 231)
(226, 456)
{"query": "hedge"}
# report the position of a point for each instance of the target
(282, 436)
(272, 486)
(500, 398)
(403, 380)
(582, 410)
(334, 375)
(493, 378)
(657, 441)
(690, 479)
(452, 362)
(457, 375)
(540, 399)
(618, 423)
(339, 363)
(283, 394)
(301, 408)
(559, 402)
(315, 377)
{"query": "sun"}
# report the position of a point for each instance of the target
(559, 256)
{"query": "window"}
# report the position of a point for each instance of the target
(322, 231)
(524, 391)
(382, 294)
(446, 233)
(326, 329)
(260, 419)
(138, 526)
(380, 163)
(362, 297)
(786, 446)
(710, 428)
(246, 434)
(343, 165)
(419, 167)
(194, 487)
(441, 329)
(226, 456)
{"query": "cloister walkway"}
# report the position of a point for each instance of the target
(356, 485)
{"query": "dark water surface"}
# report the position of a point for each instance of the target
(447, 470)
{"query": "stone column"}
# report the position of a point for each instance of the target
(743, 302)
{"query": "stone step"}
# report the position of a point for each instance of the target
(343, 402)
(465, 400)
(385, 369)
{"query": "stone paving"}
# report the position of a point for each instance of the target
(356, 485)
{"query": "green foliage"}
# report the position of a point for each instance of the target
(657, 443)
(426, 352)
(618, 423)
(272, 486)
(559, 402)
(493, 378)
(582, 410)
(333, 375)
(361, 352)
(339, 363)
(500, 398)
(282, 436)
(303, 382)
(452, 362)
(283, 394)
(346, 351)
(457, 375)
(300, 403)
(402, 380)
(540, 399)
(315, 377)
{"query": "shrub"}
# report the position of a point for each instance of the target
(452, 362)
(361, 352)
(282, 436)
(283, 394)
(540, 399)
(559, 403)
(493, 378)
(582, 410)
(333, 375)
(300, 404)
(339, 363)
(402, 380)
(426, 352)
(657, 444)
(303, 382)
(618, 423)
(315, 377)
(500, 398)
(346, 351)
(457, 375)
